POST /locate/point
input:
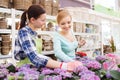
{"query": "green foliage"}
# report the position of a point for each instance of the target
(11, 68)
(11, 78)
(115, 74)
(75, 76)
(101, 73)
(20, 78)
(119, 66)
(41, 77)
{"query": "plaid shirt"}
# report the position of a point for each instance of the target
(25, 47)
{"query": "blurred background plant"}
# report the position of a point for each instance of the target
(112, 44)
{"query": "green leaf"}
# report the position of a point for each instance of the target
(119, 65)
(41, 77)
(70, 79)
(115, 74)
(11, 78)
(11, 68)
(20, 78)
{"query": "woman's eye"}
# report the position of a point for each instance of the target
(69, 22)
(62, 23)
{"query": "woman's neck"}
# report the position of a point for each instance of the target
(65, 33)
(31, 26)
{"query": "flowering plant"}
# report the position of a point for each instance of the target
(101, 68)
(81, 54)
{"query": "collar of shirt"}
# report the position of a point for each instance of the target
(34, 33)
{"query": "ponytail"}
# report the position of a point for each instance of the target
(33, 11)
(23, 20)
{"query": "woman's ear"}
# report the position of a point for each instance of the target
(32, 20)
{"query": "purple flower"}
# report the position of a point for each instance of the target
(4, 70)
(47, 71)
(63, 73)
(108, 75)
(3, 73)
(93, 64)
(80, 69)
(48, 78)
(89, 77)
(58, 77)
(86, 72)
(101, 58)
(58, 70)
(85, 60)
(66, 75)
(28, 72)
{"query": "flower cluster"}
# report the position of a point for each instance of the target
(101, 59)
(55, 73)
(100, 68)
(93, 65)
(83, 71)
(88, 75)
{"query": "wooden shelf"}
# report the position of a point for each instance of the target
(86, 22)
(86, 34)
(7, 31)
(5, 56)
(88, 48)
(5, 10)
(9, 55)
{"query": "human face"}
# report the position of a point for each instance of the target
(39, 22)
(65, 24)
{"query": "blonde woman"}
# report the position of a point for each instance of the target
(65, 42)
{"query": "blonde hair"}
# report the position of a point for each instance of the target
(62, 14)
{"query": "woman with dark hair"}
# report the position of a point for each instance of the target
(25, 46)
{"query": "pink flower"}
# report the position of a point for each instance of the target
(110, 65)
(105, 65)
(111, 57)
(118, 60)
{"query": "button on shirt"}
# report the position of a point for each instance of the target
(25, 47)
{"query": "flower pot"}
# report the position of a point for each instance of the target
(5, 50)
(5, 37)
(22, 4)
(6, 43)
(4, 3)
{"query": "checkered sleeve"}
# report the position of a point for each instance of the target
(29, 48)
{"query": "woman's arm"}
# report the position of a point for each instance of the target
(29, 48)
(53, 64)
(70, 66)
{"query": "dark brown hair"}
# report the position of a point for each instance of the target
(33, 11)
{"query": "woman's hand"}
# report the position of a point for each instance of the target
(72, 65)
(82, 42)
